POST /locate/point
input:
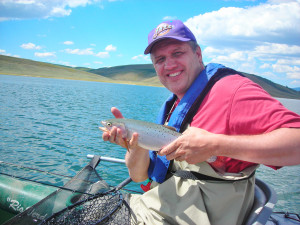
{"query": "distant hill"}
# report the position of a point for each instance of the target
(142, 74)
(296, 89)
(24, 67)
(274, 89)
(146, 73)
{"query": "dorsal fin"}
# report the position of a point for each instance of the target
(170, 128)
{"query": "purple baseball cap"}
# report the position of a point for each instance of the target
(169, 29)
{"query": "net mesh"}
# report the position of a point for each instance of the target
(107, 208)
(85, 199)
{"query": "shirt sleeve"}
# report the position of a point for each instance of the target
(254, 111)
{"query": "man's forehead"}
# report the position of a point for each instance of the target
(168, 42)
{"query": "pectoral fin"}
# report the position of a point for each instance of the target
(126, 144)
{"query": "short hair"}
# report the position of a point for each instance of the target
(194, 45)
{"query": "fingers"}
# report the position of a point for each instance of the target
(112, 135)
(170, 148)
(171, 151)
(134, 140)
(105, 136)
(116, 112)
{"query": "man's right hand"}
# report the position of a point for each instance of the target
(115, 134)
(137, 159)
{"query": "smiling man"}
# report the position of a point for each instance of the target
(177, 64)
(230, 125)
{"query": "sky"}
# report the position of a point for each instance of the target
(260, 37)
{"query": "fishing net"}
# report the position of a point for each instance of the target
(102, 209)
(85, 199)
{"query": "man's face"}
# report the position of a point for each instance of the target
(176, 65)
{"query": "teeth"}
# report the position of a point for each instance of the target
(174, 74)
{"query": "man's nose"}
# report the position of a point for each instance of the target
(170, 64)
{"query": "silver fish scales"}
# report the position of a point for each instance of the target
(151, 136)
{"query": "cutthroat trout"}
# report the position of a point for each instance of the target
(151, 136)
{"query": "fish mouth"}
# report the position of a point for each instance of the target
(104, 129)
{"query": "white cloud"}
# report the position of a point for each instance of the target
(44, 54)
(291, 71)
(263, 23)
(262, 39)
(290, 61)
(87, 51)
(30, 46)
(3, 52)
(141, 58)
(110, 48)
(76, 3)
(68, 42)
(275, 48)
(265, 66)
(294, 75)
(28, 9)
(296, 83)
(102, 54)
(169, 18)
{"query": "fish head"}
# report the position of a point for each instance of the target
(109, 124)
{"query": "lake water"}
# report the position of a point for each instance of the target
(52, 125)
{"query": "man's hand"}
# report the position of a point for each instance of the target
(115, 134)
(195, 145)
(137, 159)
(280, 147)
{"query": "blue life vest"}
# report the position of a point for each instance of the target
(159, 164)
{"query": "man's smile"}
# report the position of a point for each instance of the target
(174, 74)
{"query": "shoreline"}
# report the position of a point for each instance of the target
(88, 80)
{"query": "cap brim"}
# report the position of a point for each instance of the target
(149, 47)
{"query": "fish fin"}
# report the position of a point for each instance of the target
(126, 144)
(169, 127)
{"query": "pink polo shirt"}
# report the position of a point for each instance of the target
(237, 106)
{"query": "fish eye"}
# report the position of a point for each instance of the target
(109, 124)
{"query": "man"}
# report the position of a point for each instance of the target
(229, 125)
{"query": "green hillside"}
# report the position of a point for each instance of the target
(24, 67)
(143, 74)
(274, 89)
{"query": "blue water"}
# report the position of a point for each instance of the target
(52, 125)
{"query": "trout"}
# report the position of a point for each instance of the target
(151, 136)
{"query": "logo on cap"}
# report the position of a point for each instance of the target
(162, 29)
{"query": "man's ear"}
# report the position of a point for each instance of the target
(199, 54)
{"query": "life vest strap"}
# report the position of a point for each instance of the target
(184, 174)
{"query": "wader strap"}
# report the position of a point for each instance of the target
(184, 174)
